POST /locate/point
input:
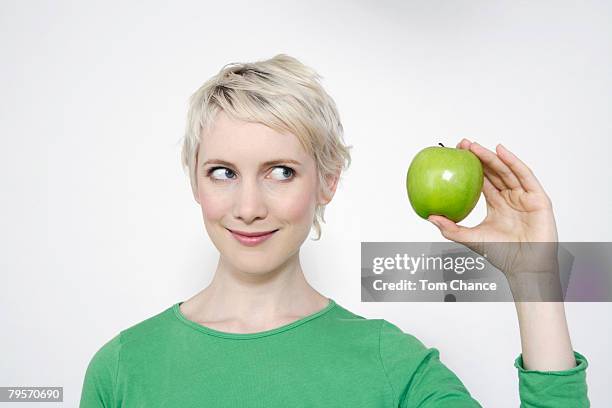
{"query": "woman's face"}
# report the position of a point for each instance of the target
(253, 179)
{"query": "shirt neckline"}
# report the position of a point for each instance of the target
(177, 312)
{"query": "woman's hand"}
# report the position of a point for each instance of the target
(518, 212)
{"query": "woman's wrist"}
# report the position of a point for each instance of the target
(545, 339)
(540, 286)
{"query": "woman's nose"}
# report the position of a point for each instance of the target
(249, 202)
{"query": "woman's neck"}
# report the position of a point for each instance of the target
(235, 301)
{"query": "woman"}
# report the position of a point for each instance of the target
(264, 152)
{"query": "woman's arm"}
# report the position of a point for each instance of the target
(519, 214)
(519, 211)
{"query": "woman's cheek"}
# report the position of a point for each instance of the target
(299, 206)
(214, 206)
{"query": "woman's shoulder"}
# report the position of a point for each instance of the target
(150, 328)
(135, 335)
(100, 380)
(106, 356)
(382, 329)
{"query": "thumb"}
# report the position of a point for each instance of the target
(449, 229)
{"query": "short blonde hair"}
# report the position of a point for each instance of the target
(281, 93)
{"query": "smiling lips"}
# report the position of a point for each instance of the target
(251, 238)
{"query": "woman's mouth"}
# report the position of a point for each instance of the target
(251, 238)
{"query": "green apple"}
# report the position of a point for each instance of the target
(444, 181)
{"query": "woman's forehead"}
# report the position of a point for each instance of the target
(229, 137)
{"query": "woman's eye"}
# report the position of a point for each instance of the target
(223, 173)
(219, 173)
(284, 173)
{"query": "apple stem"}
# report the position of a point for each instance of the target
(441, 144)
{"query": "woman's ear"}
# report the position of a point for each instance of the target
(332, 184)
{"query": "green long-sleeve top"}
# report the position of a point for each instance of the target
(331, 358)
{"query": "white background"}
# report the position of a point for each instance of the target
(98, 227)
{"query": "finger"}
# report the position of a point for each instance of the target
(494, 178)
(450, 230)
(497, 182)
(528, 180)
(464, 144)
(493, 162)
(491, 193)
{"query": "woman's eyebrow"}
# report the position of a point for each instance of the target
(268, 163)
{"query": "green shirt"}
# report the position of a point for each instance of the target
(332, 358)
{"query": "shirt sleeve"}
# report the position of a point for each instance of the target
(101, 375)
(417, 377)
(543, 389)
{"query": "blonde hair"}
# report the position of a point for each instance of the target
(281, 93)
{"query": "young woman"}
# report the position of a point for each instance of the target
(264, 151)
